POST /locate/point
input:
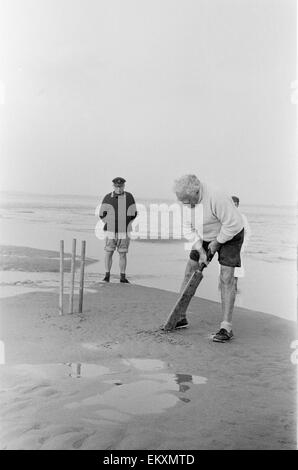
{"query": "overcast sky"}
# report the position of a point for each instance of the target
(148, 90)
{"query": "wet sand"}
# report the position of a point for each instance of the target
(22, 258)
(110, 379)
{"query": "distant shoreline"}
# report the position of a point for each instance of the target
(140, 198)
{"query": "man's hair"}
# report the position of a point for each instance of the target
(187, 185)
(236, 199)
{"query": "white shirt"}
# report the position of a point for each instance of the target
(220, 219)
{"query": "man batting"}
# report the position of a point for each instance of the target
(222, 232)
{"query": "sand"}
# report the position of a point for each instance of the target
(110, 379)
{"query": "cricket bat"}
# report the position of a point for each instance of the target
(185, 297)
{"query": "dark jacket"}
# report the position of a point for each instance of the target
(117, 211)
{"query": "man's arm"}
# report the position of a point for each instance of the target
(247, 232)
(192, 234)
(189, 230)
(229, 217)
(103, 208)
(132, 208)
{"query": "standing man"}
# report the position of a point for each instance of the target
(222, 232)
(117, 211)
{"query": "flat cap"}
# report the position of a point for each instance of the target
(118, 180)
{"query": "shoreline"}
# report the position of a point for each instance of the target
(269, 288)
(24, 258)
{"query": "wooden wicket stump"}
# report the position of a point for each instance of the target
(72, 277)
(61, 287)
(82, 271)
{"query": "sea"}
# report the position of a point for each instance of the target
(41, 221)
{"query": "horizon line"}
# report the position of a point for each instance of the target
(68, 195)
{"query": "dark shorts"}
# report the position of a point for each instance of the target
(228, 253)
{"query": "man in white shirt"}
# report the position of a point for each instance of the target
(222, 232)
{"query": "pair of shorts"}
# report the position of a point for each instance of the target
(121, 244)
(228, 253)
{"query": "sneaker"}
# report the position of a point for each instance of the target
(222, 336)
(126, 281)
(181, 324)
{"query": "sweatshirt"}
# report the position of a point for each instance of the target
(117, 211)
(218, 217)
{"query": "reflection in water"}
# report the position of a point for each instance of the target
(181, 379)
(139, 397)
(78, 370)
(143, 389)
(79, 366)
(185, 400)
(147, 386)
(145, 364)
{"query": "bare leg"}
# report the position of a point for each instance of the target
(108, 260)
(189, 270)
(228, 292)
(191, 266)
(122, 262)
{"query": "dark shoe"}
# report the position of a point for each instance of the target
(222, 336)
(181, 324)
(106, 279)
(124, 280)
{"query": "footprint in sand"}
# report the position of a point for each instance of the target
(97, 347)
(36, 388)
(47, 393)
(12, 432)
(65, 441)
(91, 346)
(15, 408)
